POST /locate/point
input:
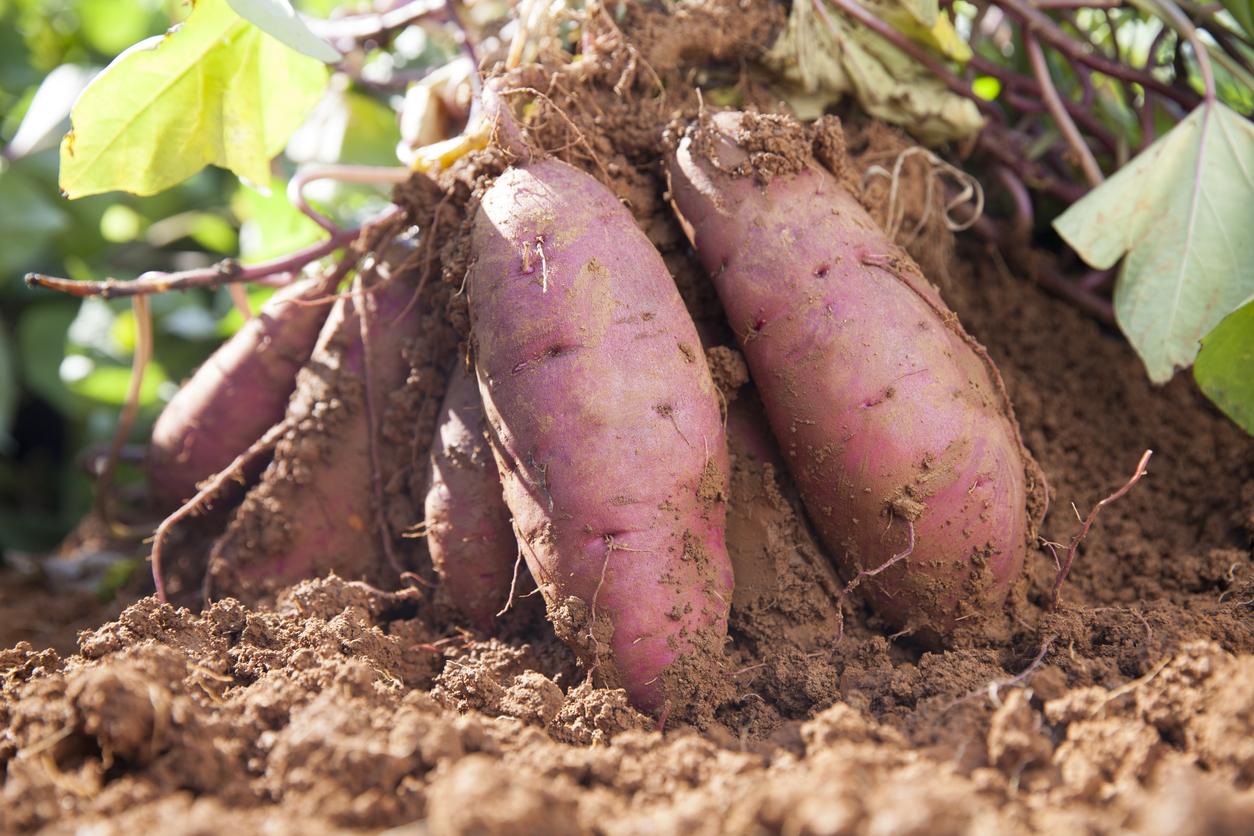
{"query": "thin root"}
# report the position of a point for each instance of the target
(201, 500)
(139, 364)
(1141, 469)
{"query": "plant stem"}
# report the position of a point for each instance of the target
(362, 174)
(1038, 23)
(130, 408)
(1088, 164)
(368, 27)
(1178, 20)
(1019, 86)
(228, 271)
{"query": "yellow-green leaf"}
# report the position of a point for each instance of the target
(215, 90)
(924, 24)
(1182, 211)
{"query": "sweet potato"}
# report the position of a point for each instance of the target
(314, 509)
(605, 424)
(235, 396)
(893, 420)
(468, 527)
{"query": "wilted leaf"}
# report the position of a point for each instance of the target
(847, 59)
(1183, 212)
(925, 12)
(278, 19)
(1225, 366)
(215, 90)
(922, 22)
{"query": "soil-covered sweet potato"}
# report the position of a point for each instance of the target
(314, 510)
(469, 534)
(235, 396)
(893, 420)
(606, 427)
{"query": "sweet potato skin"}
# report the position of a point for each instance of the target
(313, 512)
(469, 533)
(893, 420)
(606, 428)
(235, 396)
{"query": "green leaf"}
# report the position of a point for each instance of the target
(110, 27)
(41, 348)
(1243, 12)
(372, 132)
(214, 90)
(1225, 366)
(270, 225)
(1183, 213)
(278, 19)
(109, 384)
(28, 219)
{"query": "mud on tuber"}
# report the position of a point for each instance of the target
(510, 391)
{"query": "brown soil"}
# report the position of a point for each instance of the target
(342, 707)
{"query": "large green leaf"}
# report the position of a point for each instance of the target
(1183, 213)
(279, 19)
(1225, 366)
(215, 90)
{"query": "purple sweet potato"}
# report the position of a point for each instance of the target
(606, 428)
(314, 509)
(235, 396)
(469, 533)
(893, 420)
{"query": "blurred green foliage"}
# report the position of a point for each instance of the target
(65, 363)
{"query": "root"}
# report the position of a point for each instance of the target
(1064, 566)
(969, 192)
(870, 573)
(997, 684)
(1129, 687)
(513, 584)
(372, 429)
(239, 298)
(139, 364)
(580, 137)
(888, 564)
(201, 501)
(361, 174)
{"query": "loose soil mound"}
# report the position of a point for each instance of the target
(344, 707)
(339, 707)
